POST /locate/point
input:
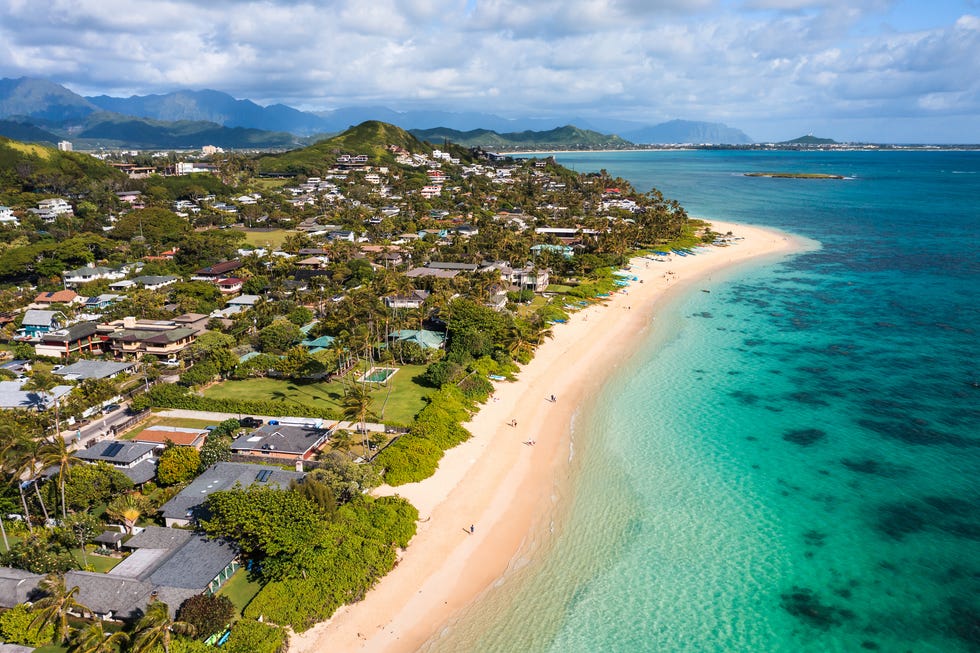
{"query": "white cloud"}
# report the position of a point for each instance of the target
(698, 59)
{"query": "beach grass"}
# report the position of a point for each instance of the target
(406, 397)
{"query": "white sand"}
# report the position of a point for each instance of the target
(495, 481)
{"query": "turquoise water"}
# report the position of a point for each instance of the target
(790, 462)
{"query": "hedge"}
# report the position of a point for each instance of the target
(360, 548)
(248, 636)
(173, 396)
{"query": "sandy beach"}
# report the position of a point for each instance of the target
(499, 483)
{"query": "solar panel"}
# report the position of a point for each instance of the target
(113, 449)
(263, 476)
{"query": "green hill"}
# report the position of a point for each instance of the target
(36, 168)
(22, 131)
(371, 138)
(809, 139)
(567, 136)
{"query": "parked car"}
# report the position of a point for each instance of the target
(250, 422)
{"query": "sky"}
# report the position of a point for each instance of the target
(863, 70)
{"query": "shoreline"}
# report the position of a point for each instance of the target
(500, 484)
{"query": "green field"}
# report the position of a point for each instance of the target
(271, 239)
(155, 420)
(405, 399)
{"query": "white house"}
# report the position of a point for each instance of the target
(7, 216)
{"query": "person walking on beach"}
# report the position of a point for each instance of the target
(472, 529)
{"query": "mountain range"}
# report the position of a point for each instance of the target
(195, 118)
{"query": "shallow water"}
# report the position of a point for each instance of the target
(790, 461)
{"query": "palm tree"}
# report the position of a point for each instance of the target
(57, 454)
(55, 606)
(128, 508)
(94, 639)
(156, 628)
(44, 381)
(357, 406)
(23, 454)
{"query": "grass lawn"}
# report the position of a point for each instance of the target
(405, 400)
(240, 590)
(101, 564)
(272, 239)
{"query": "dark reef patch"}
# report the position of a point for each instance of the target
(896, 520)
(744, 397)
(804, 437)
(916, 432)
(873, 467)
(805, 605)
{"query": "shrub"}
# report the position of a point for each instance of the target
(178, 465)
(15, 628)
(248, 636)
(208, 613)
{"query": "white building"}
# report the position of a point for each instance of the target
(65, 146)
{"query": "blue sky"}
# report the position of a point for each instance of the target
(872, 70)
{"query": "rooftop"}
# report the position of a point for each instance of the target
(283, 439)
(93, 369)
(118, 452)
(225, 476)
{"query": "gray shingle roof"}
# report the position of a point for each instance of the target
(281, 439)
(223, 476)
(126, 453)
(195, 564)
(93, 369)
(125, 598)
(16, 586)
(35, 317)
(158, 537)
(140, 472)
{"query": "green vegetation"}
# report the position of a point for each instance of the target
(395, 403)
(567, 136)
(794, 175)
(272, 238)
(240, 589)
(371, 138)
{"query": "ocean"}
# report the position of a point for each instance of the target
(790, 462)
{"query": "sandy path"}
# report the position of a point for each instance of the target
(495, 481)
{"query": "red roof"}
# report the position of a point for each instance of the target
(57, 297)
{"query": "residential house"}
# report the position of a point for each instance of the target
(137, 460)
(132, 197)
(162, 338)
(17, 586)
(159, 436)
(155, 282)
(99, 302)
(182, 509)
(283, 441)
(7, 216)
(230, 285)
(166, 564)
(87, 369)
(216, 272)
(70, 341)
(92, 272)
(196, 321)
(12, 395)
(412, 300)
(49, 210)
(423, 338)
(36, 322)
(46, 299)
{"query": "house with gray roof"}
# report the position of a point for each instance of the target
(17, 586)
(283, 441)
(86, 369)
(70, 341)
(183, 508)
(37, 321)
(136, 460)
(168, 565)
(12, 395)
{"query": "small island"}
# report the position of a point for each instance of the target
(794, 175)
